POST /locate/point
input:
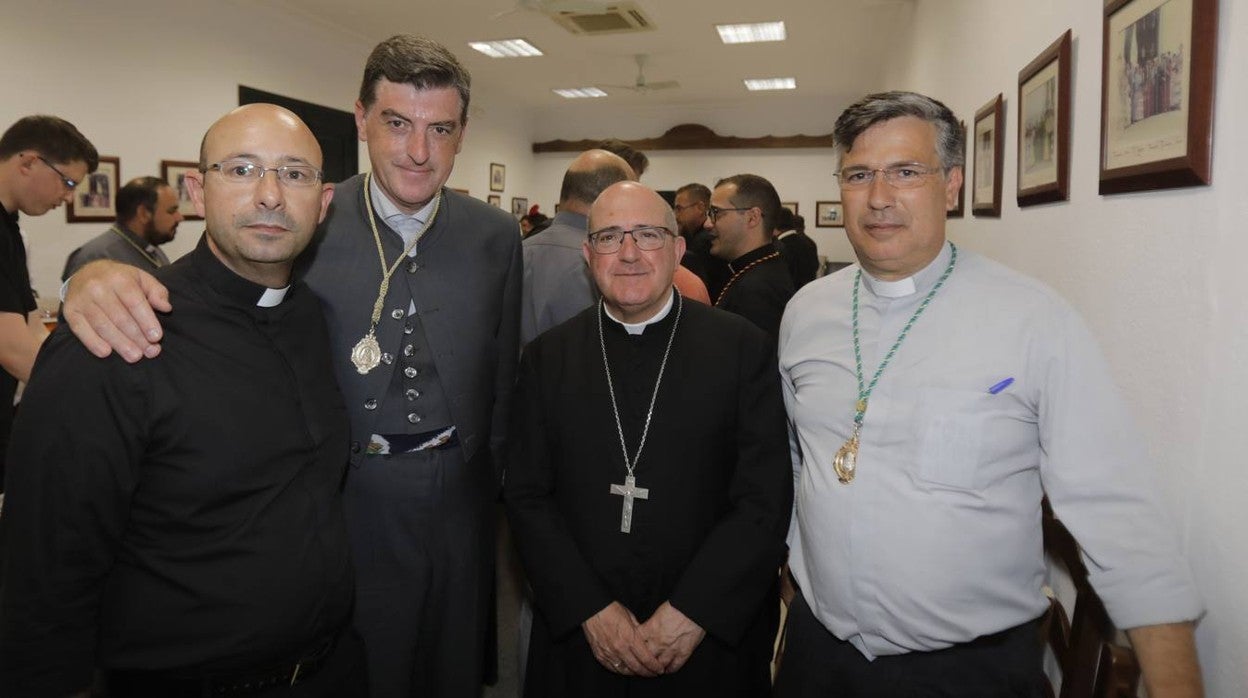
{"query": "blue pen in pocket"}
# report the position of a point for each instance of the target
(1000, 386)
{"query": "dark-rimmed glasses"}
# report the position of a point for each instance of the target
(69, 183)
(905, 176)
(247, 172)
(609, 240)
(713, 212)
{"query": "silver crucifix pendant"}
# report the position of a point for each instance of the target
(629, 491)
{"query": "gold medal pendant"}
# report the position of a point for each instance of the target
(366, 354)
(846, 462)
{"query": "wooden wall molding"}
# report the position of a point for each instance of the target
(693, 137)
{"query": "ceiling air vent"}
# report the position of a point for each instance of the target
(612, 19)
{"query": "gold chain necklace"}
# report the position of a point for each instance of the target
(367, 352)
(149, 257)
(720, 298)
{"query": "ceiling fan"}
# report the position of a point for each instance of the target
(641, 85)
(550, 7)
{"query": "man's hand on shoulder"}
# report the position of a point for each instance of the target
(617, 645)
(671, 636)
(110, 307)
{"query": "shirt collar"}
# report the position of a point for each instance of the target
(922, 280)
(232, 286)
(639, 327)
(407, 225)
(786, 233)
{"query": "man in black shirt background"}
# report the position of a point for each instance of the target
(177, 524)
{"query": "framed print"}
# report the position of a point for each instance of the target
(174, 172)
(95, 197)
(1157, 85)
(791, 205)
(959, 209)
(989, 154)
(494, 200)
(519, 206)
(829, 214)
(1044, 126)
(498, 177)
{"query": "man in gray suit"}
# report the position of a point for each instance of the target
(147, 217)
(421, 288)
(556, 280)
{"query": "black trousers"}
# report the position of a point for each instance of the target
(1007, 664)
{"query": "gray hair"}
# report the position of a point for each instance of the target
(883, 106)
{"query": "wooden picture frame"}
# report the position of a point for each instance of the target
(519, 206)
(829, 214)
(95, 197)
(989, 133)
(494, 200)
(791, 205)
(959, 210)
(498, 177)
(174, 172)
(1157, 89)
(1044, 126)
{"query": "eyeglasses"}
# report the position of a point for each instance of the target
(713, 212)
(246, 172)
(609, 240)
(906, 176)
(69, 183)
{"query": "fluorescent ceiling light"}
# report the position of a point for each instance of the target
(748, 33)
(506, 48)
(771, 84)
(580, 92)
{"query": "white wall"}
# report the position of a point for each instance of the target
(1158, 275)
(144, 79)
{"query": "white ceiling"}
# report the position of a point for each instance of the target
(835, 48)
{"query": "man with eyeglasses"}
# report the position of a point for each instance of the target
(42, 159)
(648, 482)
(741, 218)
(147, 217)
(934, 397)
(177, 524)
(690, 204)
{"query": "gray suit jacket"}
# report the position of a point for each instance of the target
(557, 284)
(108, 245)
(467, 293)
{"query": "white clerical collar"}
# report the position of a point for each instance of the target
(923, 279)
(639, 327)
(785, 234)
(272, 297)
(407, 225)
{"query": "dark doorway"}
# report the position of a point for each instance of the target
(334, 130)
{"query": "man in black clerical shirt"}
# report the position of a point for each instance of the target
(741, 218)
(175, 526)
(648, 482)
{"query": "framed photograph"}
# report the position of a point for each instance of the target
(1044, 126)
(1157, 85)
(498, 177)
(174, 172)
(829, 214)
(989, 154)
(494, 200)
(791, 205)
(519, 206)
(959, 210)
(95, 198)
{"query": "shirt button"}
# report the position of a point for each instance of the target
(370, 404)
(387, 359)
(407, 329)
(412, 266)
(413, 418)
(398, 313)
(355, 446)
(409, 350)
(412, 393)
(411, 372)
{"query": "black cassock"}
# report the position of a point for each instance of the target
(709, 537)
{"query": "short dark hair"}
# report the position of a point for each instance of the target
(53, 137)
(784, 219)
(754, 191)
(699, 192)
(138, 192)
(799, 223)
(635, 158)
(883, 106)
(586, 185)
(422, 63)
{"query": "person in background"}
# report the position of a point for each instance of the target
(147, 217)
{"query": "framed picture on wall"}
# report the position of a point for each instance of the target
(519, 206)
(791, 205)
(1157, 85)
(174, 172)
(958, 210)
(494, 200)
(498, 176)
(1044, 126)
(989, 154)
(95, 197)
(829, 214)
